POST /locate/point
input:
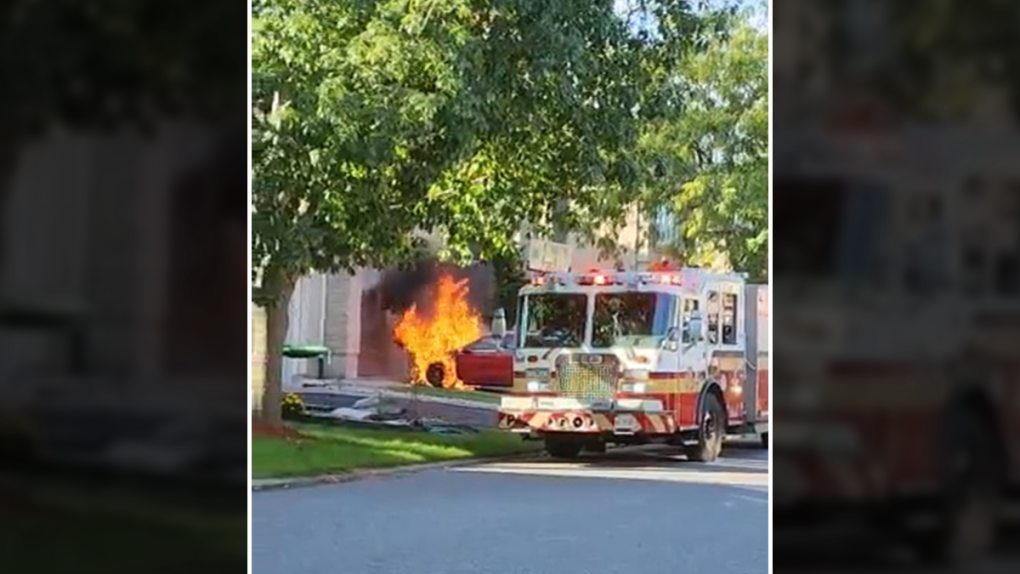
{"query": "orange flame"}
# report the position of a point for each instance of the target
(432, 338)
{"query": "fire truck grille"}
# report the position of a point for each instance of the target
(591, 377)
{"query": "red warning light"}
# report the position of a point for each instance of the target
(599, 280)
(662, 265)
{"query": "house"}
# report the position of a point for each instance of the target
(338, 312)
(140, 234)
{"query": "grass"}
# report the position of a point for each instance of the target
(60, 526)
(333, 448)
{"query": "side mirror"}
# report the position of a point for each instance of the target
(672, 340)
(499, 323)
(694, 328)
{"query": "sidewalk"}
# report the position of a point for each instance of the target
(263, 484)
(381, 387)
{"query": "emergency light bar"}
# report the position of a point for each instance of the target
(600, 278)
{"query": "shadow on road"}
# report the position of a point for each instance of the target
(745, 468)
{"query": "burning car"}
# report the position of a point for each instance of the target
(433, 336)
(488, 362)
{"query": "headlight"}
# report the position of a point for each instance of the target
(535, 386)
(636, 374)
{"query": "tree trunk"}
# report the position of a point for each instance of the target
(10, 156)
(277, 322)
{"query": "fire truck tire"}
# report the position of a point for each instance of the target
(563, 447)
(710, 432)
(968, 520)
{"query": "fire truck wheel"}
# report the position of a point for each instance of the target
(435, 374)
(968, 523)
(710, 432)
(563, 447)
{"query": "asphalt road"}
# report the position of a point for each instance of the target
(450, 413)
(624, 512)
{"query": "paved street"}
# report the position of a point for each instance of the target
(621, 513)
(817, 550)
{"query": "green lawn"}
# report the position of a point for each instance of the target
(61, 527)
(329, 448)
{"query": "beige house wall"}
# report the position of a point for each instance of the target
(88, 222)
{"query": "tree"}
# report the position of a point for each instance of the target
(379, 118)
(939, 63)
(706, 157)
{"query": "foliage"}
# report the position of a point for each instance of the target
(467, 117)
(107, 62)
(941, 62)
(708, 158)
(510, 275)
(376, 120)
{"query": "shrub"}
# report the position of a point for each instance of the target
(292, 406)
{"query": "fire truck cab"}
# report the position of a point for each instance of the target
(674, 357)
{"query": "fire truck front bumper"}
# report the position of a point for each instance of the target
(533, 415)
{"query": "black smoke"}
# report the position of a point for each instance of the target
(400, 288)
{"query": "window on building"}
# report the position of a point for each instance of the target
(690, 308)
(665, 231)
(729, 319)
(712, 318)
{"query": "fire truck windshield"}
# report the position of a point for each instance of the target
(632, 319)
(554, 320)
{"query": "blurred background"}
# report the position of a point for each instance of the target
(897, 259)
(123, 257)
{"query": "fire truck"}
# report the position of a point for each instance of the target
(900, 377)
(625, 358)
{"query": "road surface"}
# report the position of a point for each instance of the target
(451, 413)
(625, 512)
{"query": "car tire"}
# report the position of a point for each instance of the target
(435, 374)
(968, 520)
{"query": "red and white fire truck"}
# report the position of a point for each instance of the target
(900, 386)
(607, 357)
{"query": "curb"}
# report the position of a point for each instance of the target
(340, 478)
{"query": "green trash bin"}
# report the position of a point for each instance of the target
(318, 352)
(65, 319)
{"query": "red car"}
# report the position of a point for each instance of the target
(488, 362)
